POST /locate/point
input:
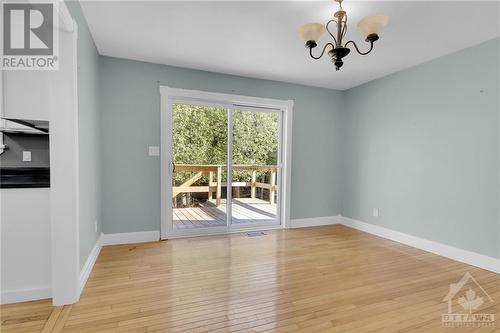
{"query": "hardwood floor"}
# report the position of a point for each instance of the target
(25, 317)
(323, 279)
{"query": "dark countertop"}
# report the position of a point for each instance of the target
(15, 177)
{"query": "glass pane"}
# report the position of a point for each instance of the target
(255, 173)
(200, 160)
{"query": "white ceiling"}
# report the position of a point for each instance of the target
(259, 38)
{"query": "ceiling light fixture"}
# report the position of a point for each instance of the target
(369, 26)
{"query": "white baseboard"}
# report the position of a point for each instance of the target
(315, 221)
(467, 257)
(89, 264)
(25, 295)
(131, 237)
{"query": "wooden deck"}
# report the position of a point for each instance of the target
(244, 210)
(215, 182)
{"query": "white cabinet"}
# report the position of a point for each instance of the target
(25, 244)
(26, 94)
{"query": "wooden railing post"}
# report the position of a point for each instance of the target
(253, 186)
(219, 186)
(210, 181)
(272, 182)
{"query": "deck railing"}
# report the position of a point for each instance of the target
(215, 182)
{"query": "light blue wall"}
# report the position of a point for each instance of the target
(423, 146)
(130, 118)
(89, 134)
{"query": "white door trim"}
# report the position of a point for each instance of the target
(169, 94)
(64, 173)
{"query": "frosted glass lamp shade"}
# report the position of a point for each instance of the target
(372, 24)
(312, 31)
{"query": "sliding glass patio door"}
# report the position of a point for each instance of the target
(255, 167)
(210, 141)
(199, 166)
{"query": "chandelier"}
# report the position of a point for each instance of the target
(370, 27)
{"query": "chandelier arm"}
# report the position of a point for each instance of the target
(344, 29)
(357, 49)
(327, 29)
(322, 52)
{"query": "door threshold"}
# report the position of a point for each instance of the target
(205, 232)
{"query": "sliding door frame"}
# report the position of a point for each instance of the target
(169, 96)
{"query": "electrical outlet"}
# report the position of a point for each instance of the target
(95, 225)
(376, 212)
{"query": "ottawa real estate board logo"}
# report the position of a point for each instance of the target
(30, 35)
(467, 305)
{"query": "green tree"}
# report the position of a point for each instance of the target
(200, 137)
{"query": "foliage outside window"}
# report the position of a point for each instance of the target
(200, 137)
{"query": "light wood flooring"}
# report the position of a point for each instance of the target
(323, 279)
